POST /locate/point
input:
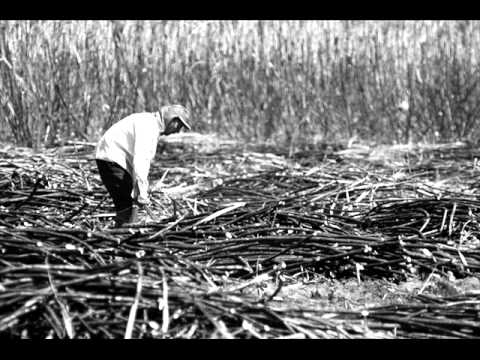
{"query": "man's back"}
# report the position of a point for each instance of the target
(121, 142)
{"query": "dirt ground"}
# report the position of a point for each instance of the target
(349, 294)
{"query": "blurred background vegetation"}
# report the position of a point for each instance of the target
(287, 82)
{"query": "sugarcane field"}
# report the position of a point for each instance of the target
(239, 179)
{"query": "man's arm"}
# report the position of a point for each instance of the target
(144, 150)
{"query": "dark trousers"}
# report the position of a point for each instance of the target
(119, 185)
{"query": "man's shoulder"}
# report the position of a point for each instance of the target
(134, 122)
(141, 116)
(144, 113)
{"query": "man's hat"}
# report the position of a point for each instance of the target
(170, 112)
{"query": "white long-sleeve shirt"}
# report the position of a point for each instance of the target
(132, 143)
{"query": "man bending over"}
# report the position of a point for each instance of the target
(124, 154)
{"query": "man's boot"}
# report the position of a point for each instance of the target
(133, 218)
(123, 217)
(126, 217)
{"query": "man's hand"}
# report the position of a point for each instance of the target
(143, 202)
(136, 192)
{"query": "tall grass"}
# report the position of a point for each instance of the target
(285, 81)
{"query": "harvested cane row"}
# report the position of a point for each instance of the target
(66, 275)
(168, 297)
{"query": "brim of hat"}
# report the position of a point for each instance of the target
(185, 124)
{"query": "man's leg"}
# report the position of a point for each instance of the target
(119, 185)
